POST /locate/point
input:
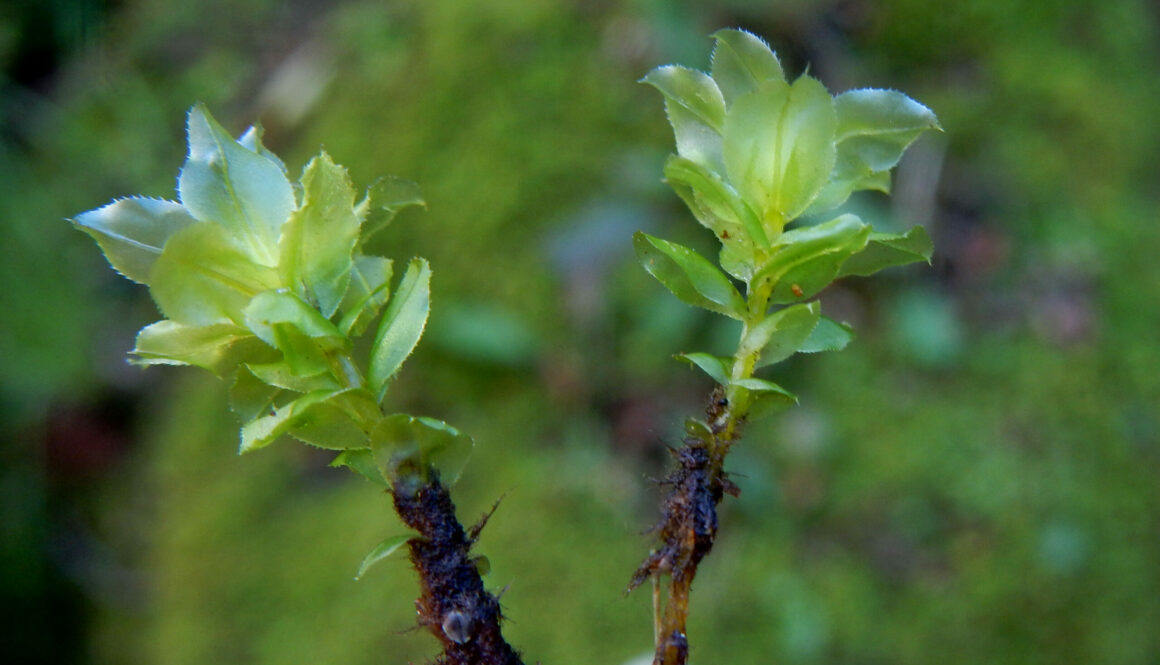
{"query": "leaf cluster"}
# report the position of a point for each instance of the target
(264, 281)
(755, 152)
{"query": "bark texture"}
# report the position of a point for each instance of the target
(453, 606)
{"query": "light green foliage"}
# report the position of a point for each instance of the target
(408, 446)
(265, 281)
(319, 238)
(689, 276)
(402, 325)
(132, 231)
(754, 153)
(235, 187)
(382, 551)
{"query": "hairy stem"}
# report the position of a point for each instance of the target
(453, 605)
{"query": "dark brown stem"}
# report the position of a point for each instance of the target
(688, 528)
(453, 606)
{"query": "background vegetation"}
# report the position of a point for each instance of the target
(974, 480)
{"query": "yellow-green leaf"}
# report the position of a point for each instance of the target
(319, 238)
(402, 325)
(131, 232)
(688, 275)
(224, 182)
(741, 61)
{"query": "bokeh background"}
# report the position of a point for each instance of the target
(975, 480)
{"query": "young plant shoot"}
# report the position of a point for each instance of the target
(265, 282)
(756, 152)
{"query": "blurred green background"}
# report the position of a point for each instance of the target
(975, 480)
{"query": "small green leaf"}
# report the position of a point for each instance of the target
(203, 277)
(715, 203)
(384, 199)
(766, 397)
(741, 61)
(806, 260)
(251, 139)
(696, 112)
(716, 368)
(828, 335)
(691, 90)
(131, 232)
(319, 238)
(265, 429)
(779, 147)
(381, 551)
(283, 321)
(889, 249)
(362, 462)
(878, 125)
(780, 334)
(406, 445)
(402, 325)
(322, 418)
(698, 429)
(281, 375)
(482, 564)
(343, 421)
(874, 128)
(370, 281)
(250, 397)
(227, 183)
(688, 275)
(217, 347)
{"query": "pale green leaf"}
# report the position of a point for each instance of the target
(362, 462)
(779, 147)
(738, 259)
(742, 61)
(285, 322)
(265, 429)
(319, 238)
(696, 141)
(716, 368)
(878, 125)
(131, 232)
(696, 112)
(281, 375)
(766, 397)
(402, 325)
(698, 429)
(382, 551)
(688, 275)
(828, 335)
(408, 446)
(343, 421)
(203, 277)
(251, 139)
(715, 203)
(226, 183)
(691, 90)
(383, 200)
(370, 281)
(280, 306)
(323, 418)
(250, 397)
(218, 347)
(806, 260)
(779, 335)
(874, 128)
(889, 249)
